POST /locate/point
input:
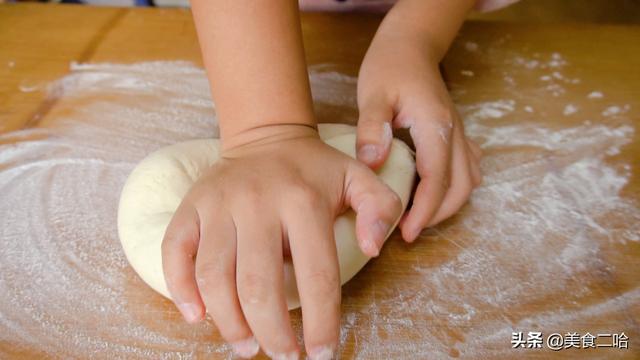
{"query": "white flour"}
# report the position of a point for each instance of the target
(471, 46)
(570, 109)
(615, 110)
(544, 211)
(549, 207)
(595, 95)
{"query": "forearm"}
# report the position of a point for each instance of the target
(431, 23)
(253, 53)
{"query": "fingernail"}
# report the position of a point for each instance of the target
(368, 153)
(282, 356)
(247, 348)
(322, 353)
(190, 311)
(370, 248)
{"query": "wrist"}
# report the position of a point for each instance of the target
(266, 134)
(405, 41)
(431, 25)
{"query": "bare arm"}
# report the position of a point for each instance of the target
(265, 195)
(400, 86)
(434, 23)
(254, 57)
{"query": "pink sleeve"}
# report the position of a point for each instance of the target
(346, 5)
(490, 5)
(382, 5)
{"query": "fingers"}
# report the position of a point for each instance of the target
(260, 282)
(474, 162)
(179, 246)
(462, 182)
(374, 133)
(376, 205)
(474, 148)
(315, 260)
(216, 278)
(432, 163)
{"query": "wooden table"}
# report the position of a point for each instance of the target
(38, 42)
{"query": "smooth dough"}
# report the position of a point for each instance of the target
(157, 185)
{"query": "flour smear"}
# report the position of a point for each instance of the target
(549, 205)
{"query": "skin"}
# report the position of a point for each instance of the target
(400, 85)
(278, 188)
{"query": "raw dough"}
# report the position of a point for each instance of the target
(157, 185)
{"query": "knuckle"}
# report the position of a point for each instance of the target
(251, 193)
(326, 284)
(442, 115)
(304, 196)
(174, 244)
(370, 128)
(249, 198)
(392, 201)
(359, 167)
(211, 274)
(366, 122)
(253, 288)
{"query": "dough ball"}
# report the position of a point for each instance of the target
(157, 185)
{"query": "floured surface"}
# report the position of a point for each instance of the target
(548, 243)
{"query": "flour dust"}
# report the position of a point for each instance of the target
(549, 206)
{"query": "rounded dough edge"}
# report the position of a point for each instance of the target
(158, 183)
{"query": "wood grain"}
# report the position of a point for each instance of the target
(38, 42)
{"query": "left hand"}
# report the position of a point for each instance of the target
(400, 86)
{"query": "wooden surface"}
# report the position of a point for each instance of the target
(38, 42)
(566, 11)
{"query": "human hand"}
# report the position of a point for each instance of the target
(275, 192)
(400, 86)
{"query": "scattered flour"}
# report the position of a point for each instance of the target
(557, 60)
(595, 95)
(548, 207)
(555, 89)
(467, 73)
(490, 109)
(548, 69)
(615, 110)
(471, 46)
(536, 228)
(509, 80)
(28, 86)
(570, 109)
(553, 61)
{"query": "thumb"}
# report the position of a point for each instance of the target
(377, 207)
(374, 133)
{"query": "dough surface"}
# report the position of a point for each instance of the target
(157, 185)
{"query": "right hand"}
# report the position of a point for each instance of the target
(278, 193)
